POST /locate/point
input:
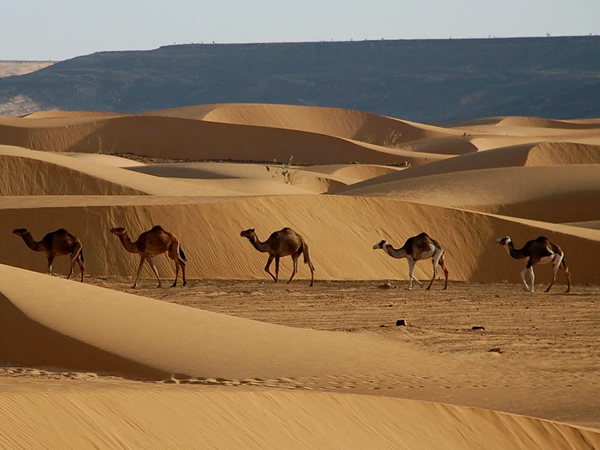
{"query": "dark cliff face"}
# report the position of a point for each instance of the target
(432, 81)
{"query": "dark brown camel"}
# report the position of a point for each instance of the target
(56, 243)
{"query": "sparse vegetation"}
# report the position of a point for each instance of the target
(282, 171)
(369, 138)
(392, 139)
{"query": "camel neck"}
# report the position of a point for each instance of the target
(400, 253)
(129, 246)
(35, 246)
(512, 251)
(260, 246)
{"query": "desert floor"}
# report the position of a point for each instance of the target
(546, 343)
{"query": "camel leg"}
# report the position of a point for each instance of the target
(176, 272)
(276, 268)
(443, 266)
(532, 275)
(182, 264)
(269, 261)
(555, 265)
(72, 261)
(139, 271)
(75, 257)
(411, 269)
(153, 267)
(295, 266)
(565, 269)
(436, 259)
(523, 272)
(81, 268)
(312, 274)
(50, 261)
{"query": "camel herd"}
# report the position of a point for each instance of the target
(287, 242)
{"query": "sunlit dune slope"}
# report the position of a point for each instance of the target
(539, 154)
(190, 139)
(184, 418)
(573, 191)
(77, 326)
(539, 122)
(30, 172)
(339, 122)
(340, 231)
(266, 179)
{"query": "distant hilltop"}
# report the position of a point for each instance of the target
(430, 81)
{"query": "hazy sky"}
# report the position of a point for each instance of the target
(62, 29)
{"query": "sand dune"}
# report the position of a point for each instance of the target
(180, 138)
(184, 418)
(74, 354)
(82, 327)
(540, 154)
(343, 123)
(524, 191)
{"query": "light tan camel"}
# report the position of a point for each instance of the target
(285, 242)
(415, 249)
(56, 243)
(538, 251)
(150, 244)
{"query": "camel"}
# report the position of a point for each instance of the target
(56, 243)
(285, 242)
(150, 244)
(415, 249)
(538, 251)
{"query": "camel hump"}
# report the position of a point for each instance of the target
(548, 246)
(157, 228)
(61, 232)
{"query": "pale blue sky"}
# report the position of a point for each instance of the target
(63, 29)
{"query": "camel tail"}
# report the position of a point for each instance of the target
(182, 254)
(81, 255)
(307, 255)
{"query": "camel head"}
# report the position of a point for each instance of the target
(503, 240)
(119, 231)
(381, 244)
(20, 231)
(248, 233)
